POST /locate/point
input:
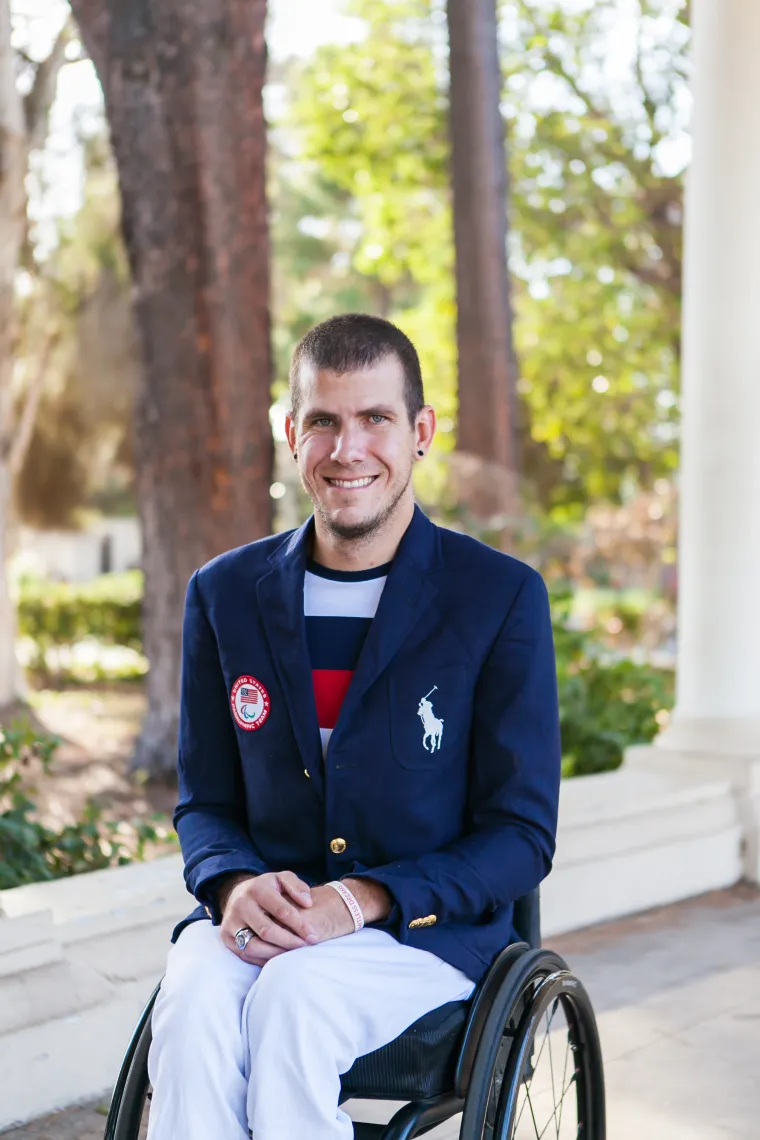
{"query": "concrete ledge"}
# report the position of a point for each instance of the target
(105, 902)
(740, 770)
(28, 942)
(630, 840)
(79, 958)
(40, 995)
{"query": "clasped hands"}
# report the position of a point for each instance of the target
(284, 913)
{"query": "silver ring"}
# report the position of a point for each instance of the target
(243, 937)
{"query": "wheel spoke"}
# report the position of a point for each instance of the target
(522, 1110)
(564, 1074)
(532, 1113)
(553, 1116)
(551, 1070)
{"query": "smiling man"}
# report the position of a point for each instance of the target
(369, 767)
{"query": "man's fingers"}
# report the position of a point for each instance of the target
(262, 923)
(296, 888)
(291, 917)
(277, 906)
(259, 952)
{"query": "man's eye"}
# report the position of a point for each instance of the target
(323, 421)
(377, 418)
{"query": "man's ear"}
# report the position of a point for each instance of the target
(290, 432)
(424, 431)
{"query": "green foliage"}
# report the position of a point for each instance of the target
(595, 217)
(597, 212)
(30, 851)
(55, 614)
(605, 704)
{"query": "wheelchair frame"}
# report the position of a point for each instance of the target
(493, 1053)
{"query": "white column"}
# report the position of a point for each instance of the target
(718, 682)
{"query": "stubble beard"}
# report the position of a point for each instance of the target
(365, 528)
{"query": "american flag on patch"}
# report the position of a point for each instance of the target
(249, 696)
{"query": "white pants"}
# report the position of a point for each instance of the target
(238, 1047)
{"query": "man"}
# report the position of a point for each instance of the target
(369, 767)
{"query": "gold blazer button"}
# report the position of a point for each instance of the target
(338, 846)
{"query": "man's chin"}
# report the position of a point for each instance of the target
(347, 524)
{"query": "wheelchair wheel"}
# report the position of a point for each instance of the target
(130, 1103)
(538, 1071)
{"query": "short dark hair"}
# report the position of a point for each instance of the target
(358, 340)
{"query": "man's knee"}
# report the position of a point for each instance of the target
(295, 992)
(284, 982)
(204, 981)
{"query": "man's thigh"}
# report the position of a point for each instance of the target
(366, 986)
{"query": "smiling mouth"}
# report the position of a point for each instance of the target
(352, 484)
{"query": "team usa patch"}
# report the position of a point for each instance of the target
(250, 703)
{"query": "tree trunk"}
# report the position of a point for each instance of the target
(487, 380)
(183, 90)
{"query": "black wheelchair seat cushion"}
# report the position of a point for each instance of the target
(419, 1063)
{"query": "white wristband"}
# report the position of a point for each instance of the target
(354, 909)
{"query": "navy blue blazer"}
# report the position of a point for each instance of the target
(451, 803)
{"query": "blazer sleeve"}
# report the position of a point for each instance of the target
(515, 757)
(210, 816)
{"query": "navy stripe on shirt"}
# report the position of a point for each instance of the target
(335, 643)
(348, 575)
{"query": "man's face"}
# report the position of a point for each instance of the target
(355, 445)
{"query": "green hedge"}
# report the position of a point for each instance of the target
(56, 614)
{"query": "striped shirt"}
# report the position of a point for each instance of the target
(339, 606)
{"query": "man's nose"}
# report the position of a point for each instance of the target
(349, 446)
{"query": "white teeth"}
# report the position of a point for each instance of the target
(352, 482)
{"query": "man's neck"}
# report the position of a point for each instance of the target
(364, 553)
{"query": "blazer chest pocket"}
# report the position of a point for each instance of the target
(428, 714)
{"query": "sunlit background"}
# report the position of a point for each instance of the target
(596, 105)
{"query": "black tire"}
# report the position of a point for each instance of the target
(128, 1112)
(512, 1056)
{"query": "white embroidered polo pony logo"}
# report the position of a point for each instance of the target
(432, 724)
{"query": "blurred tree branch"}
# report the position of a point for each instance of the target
(92, 18)
(17, 442)
(39, 100)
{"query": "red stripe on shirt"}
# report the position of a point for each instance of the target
(330, 688)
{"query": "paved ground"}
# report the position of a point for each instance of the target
(677, 995)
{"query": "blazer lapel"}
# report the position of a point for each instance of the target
(280, 598)
(408, 592)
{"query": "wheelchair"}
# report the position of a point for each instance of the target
(520, 1059)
